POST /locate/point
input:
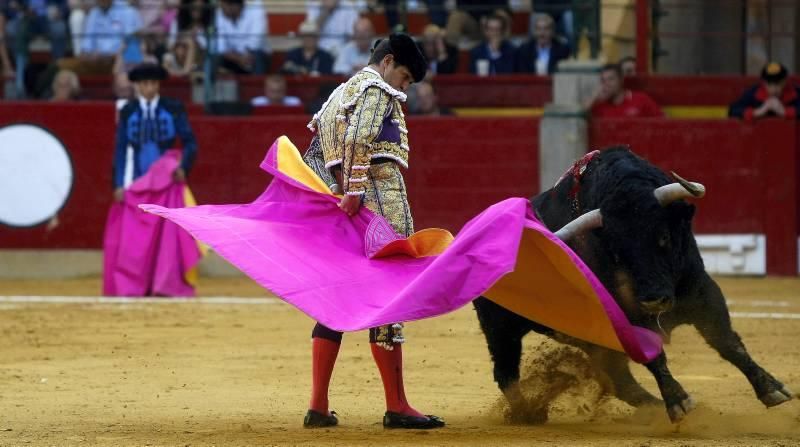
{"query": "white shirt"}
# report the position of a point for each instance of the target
(348, 57)
(542, 60)
(104, 31)
(249, 32)
(259, 101)
(336, 31)
(148, 109)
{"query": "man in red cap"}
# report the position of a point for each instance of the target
(773, 96)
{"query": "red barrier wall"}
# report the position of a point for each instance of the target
(458, 166)
(751, 172)
(87, 132)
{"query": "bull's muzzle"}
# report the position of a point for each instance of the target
(657, 305)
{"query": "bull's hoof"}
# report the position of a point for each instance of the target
(777, 397)
(679, 411)
(527, 416)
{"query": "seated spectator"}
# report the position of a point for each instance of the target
(181, 59)
(107, 29)
(66, 86)
(193, 21)
(542, 53)
(308, 59)
(628, 66)
(107, 26)
(466, 21)
(561, 12)
(355, 55)
(275, 93)
(335, 19)
(612, 100)
(29, 19)
(495, 51)
(442, 57)
(773, 96)
(425, 101)
(241, 39)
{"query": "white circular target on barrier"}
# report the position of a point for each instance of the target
(35, 175)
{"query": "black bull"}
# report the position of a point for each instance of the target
(640, 245)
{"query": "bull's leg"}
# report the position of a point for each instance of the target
(677, 401)
(505, 345)
(714, 324)
(504, 331)
(614, 374)
(626, 388)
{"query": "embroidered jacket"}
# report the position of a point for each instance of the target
(361, 121)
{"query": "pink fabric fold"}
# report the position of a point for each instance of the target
(295, 242)
(144, 255)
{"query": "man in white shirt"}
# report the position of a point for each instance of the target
(106, 29)
(241, 37)
(355, 55)
(335, 19)
(542, 53)
(107, 26)
(275, 94)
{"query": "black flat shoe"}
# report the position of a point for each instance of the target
(397, 420)
(315, 419)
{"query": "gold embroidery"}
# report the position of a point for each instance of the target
(385, 194)
(351, 120)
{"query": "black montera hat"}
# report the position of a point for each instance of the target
(407, 53)
(147, 72)
(774, 72)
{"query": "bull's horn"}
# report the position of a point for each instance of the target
(697, 189)
(592, 219)
(682, 189)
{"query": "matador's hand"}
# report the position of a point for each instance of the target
(350, 204)
(179, 175)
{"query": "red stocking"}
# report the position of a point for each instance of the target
(390, 365)
(323, 358)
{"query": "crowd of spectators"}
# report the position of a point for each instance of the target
(191, 38)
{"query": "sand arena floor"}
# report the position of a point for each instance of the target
(204, 373)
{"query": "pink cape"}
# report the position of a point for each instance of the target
(143, 254)
(354, 273)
